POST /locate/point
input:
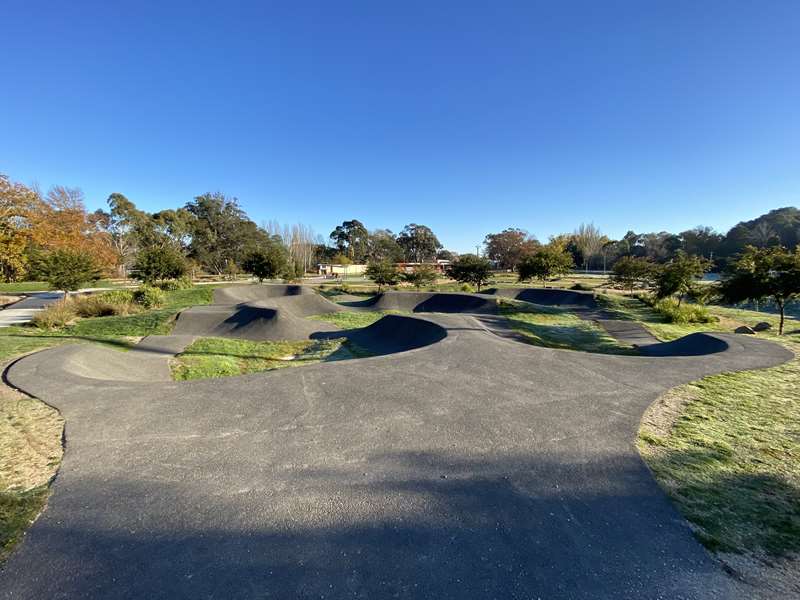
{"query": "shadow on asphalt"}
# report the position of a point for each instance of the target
(409, 524)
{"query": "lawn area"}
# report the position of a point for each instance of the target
(352, 320)
(726, 449)
(117, 330)
(30, 452)
(558, 328)
(223, 357)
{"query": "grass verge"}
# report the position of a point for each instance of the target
(222, 357)
(30, 452)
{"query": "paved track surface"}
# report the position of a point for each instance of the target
(258, 312)
(471, 467)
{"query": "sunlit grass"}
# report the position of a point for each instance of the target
(223, 357)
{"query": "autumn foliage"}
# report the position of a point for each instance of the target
(33, 225)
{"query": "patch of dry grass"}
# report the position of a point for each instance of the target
(30, 452)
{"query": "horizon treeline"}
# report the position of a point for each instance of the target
(215, 235)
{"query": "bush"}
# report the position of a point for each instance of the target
(54, 316)
(149, 297)
(681, 314)
(107, 304)
(92, 306)
(154, 264)
(581, 287)
(465, 287)
(116, 297)
(170, 285)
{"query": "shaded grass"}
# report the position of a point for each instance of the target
(731, 459)
(17, 511)
(223, 357)
(352, 320)
(558, 328)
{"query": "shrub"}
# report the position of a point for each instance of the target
(161, 262)
(170, 285)
(116, 296)
(465, 287)
(675, 312)
(581, 287)
(68, 270)
(54, 316)
(149, 296)
(117, 302)
(92, 306)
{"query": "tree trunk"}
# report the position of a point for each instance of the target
(782, 307)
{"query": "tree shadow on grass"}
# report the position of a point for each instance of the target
(731, 511)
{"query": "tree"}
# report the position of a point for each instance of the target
(552, 260)
(159, 263)
(221, 234)
(384, 246)
(420, 276)
(382, 272)
(268, 262)
(67, 269)
(471, 269)
(764, 273)
(701, 241)
(632, 271)
(418, 242)
(509, 246)
(352, 239)
(589, 241)
(680, 275)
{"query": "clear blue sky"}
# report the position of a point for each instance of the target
(466, 116)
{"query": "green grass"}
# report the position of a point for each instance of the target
(222, 357)
(41, 286)
(731, 460)
(352, 320)
(557, 328)
(116, 330)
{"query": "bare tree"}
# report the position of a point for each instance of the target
(300, 241)
(589, 240)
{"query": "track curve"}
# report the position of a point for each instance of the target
(471, 467)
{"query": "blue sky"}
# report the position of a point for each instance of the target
(466, 116)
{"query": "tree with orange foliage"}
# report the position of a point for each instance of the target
(32, 226)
